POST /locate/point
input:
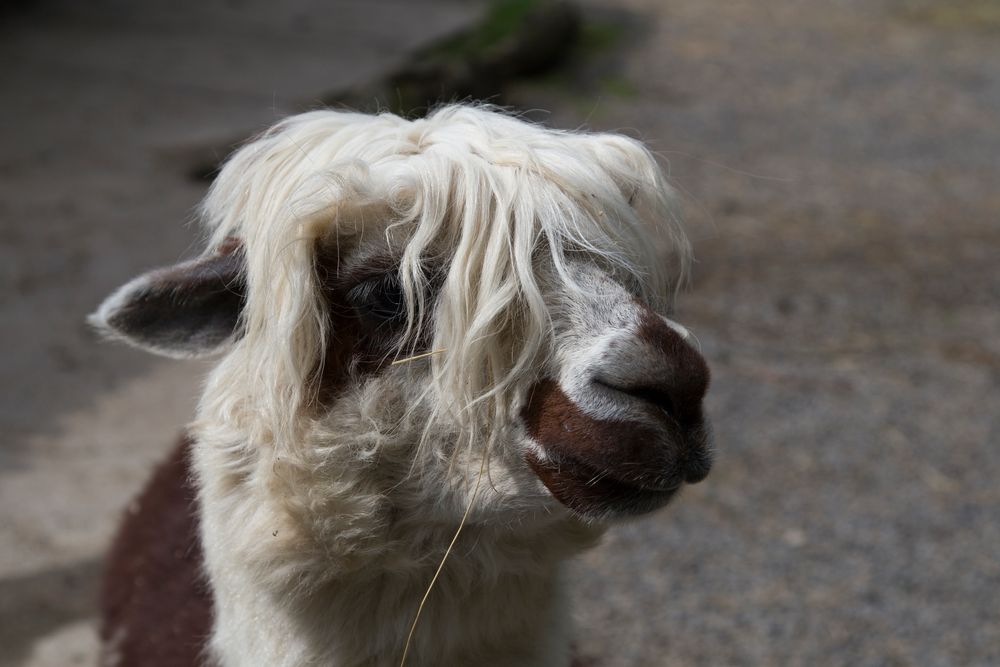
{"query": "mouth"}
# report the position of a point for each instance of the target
(605, 468)
(598, 494)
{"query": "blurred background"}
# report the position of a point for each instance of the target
(839, 163)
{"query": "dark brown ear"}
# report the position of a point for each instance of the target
(191, 309)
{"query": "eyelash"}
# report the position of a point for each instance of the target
(380, 299)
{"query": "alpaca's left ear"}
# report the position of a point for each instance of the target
(191, 309)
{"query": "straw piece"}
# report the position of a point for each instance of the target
(427, 594)
(415, 357)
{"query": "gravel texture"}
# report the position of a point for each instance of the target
(839, 165)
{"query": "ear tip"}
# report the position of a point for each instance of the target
(97, 322)
(100, 319)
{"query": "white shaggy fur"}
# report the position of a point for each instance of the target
(488, 191)
(322, 528)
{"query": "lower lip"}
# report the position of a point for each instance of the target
(585, 491)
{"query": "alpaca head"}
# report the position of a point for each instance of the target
(403, 305)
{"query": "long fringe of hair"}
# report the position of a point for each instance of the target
(494, 196)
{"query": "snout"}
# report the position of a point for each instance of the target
(624, 429)
(662, 375)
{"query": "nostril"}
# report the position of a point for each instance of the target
(686, 367)
(658, 369)
(680, 403)
(657, 397)
(654, 395)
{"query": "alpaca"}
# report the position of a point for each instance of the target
(444, 356)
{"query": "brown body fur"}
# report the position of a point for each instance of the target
(156, 606)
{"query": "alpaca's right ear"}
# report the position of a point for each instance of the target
(191, 309)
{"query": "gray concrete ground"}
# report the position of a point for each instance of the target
(839, 162)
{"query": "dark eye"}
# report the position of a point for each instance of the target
(379, 299)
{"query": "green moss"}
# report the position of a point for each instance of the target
(619, 86)
(974, 14)
(596, 37)
(503, 19)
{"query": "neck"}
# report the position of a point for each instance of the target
(341, 585)
(364, 618)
